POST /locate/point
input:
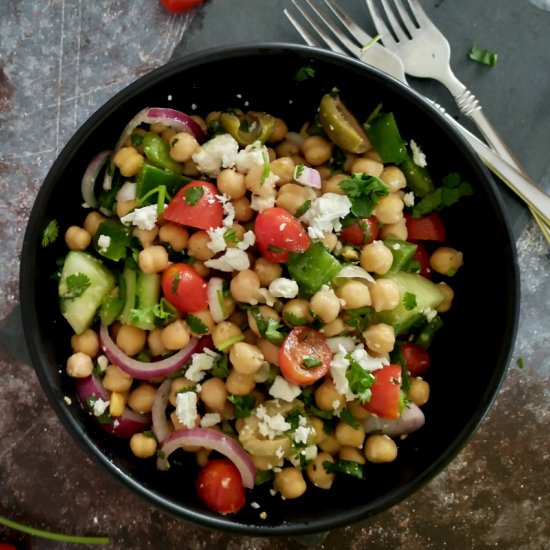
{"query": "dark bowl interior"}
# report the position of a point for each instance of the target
(470, 354)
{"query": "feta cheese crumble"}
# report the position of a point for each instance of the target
(283, 389)
(271, 426)
(210, 419)
(408, 199)
(186, 408)
(419, 158)
(234, 259)
(201, 364)
(283, 288)
(104, 242)
(324, 214)
(144, 218)
(217, 153)
(100, 406)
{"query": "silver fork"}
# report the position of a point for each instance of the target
(426, 53)
(352, 38)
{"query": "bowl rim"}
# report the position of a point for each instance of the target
(30, 319)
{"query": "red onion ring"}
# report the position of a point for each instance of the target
(170, 117)
(90, 176)
(158, 413)
(210, 439)
(140, 369)
(125, 425)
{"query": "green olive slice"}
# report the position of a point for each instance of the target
(341, 126)
(249, 127)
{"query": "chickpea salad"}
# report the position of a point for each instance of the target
(258, 296)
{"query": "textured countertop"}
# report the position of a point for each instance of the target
(59, 61)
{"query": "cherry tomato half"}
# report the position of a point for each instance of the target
(220, 486)
(196, 205)
(179, 6)
(304, 356)
(426, 228)
(7, 546)
(364, 231)
(184, 288)
(422, 256)
(417, 359)
(278, 232)
(384, 401)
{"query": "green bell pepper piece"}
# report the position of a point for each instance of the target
(313, 268)
(402, 252)
(418, 178)
(150, 179)
(385, 137)
(119, 239)
(157, 152)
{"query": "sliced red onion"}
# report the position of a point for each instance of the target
(354, 272)
(169, 117)
(412, 418)
(90, 177)
(127, 192)
(125, 425)
(295, 138)
(158, 413)
(140, 369)
(210, 439)
(213, 290)
(307, 176)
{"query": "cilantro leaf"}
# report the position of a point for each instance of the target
(359, 318)
(409, 301)
(347, 417)
(304, 73)
(220, 368)
(270, 329)
(196, 325)
(483, 56)
(193, 195)
(308, 398)
(303, 209)
(360, 380)
(244, 404)
(156, 314)
(364, 192)
(293, 319)
(77, 283)
(309, 362)
(347, 467)
(50, 233)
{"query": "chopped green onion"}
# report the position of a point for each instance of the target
(483, 56)
(230, 342)
(372, 41)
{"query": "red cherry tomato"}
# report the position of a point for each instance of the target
(277, 233)
(179, 6)
(196, 205)
(184, 288)
(417, 359)
(422, 256)
(220, 486)
(364, 231)
(426, 228)
(304, 356)
(384, 401)
(7, 546)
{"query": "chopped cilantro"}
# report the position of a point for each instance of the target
(50, 233)
(230, 342)
(299, 170)
(221, 303)
(196, 325)
(359, 318)
(520, 363)
(149, 434)
(156, 314)
(267, 168)
(303, 209)
(304, 73)
(347, 417)
(269, 329)
(244, 404)
(231, 236)
(187, 389)
(344, 467)
(103, 418)
(360, 380)
(193, 195)
(161, 454)
(220, 368)
(309, 362)
(409, 301)
(308, 398)
(364, 192)
(77, 283)
(293, 319)
(483, 56)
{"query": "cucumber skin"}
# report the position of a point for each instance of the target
(80, 311)
(428, 296)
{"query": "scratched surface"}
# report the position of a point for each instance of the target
(61, 60)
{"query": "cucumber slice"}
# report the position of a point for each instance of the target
(426, 294)
(79, 308)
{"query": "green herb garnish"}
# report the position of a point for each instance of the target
(347, 467)
(309, 362)
(244, 404)
(293, 319)
(196, 325)
(77, 283)
(360, 380)
(50, 233)
(364, 192)
(483, 56)
(303, 209)
(193, 195)
(347, 417)
(220, 368)
(409, 301)
(304, 73)
(520, 363)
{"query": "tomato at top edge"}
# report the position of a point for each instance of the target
(304, 356)
(277, 233)
(184, 288)
(196, 205)
(180, 6)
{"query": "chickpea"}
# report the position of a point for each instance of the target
(376, 258)
(239, 384)
(316, 472)
(447, 302)
(446, 260)
(117, 403)
(365, 165)
(92, 222)
(355, 294)
(269, 351)
(290, 482)
(244, 286)
(330, 240)
(380, 448)
(77, 238)
(79, 365)
(190, 168)
(231, 183)
(200, 268)
(87, 342)
(143, 446)
(128, 161)
(266, 462)
(178, 384)
(287, 148)
(146, 236)
(254, 181)
(319, 428)
(372, 154)
(175, 235)
(183, 146)
(329, 444)
(396, 230)
(225, 332)
(117, 380)
(327, 397)
(347, 435)
(332, 184)
(393, 177)
(176, 335)
(246, 358)
(130, 339)
(125, 207)
(291, 197)
(141, 399)
(357, 410)
(389, 209)
(267, 313)
(212, 117)
(351, 454)
(154, 342)
(234, 235)
(280, 130)
(213, 394)
(325, 304)
(267, 271)
(157, 127)
(153, 259)
(283, 168)
(385, 294)
(379, 338)
(243, 211)
(334, 328)
(197, 246)
(202, 456)
(168, 134)
(419, 391)
(298, 309)
(317, 150)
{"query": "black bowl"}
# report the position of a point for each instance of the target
(470, 354)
